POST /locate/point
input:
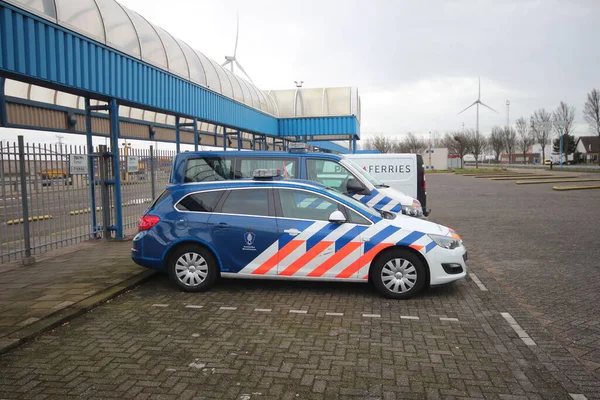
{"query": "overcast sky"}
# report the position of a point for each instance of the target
(415, 63)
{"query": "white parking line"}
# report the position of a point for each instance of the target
(408, 317)
(228, 308)
(523, 335)
(298, 311)
(335, 314)
(371, 315)
(263, 309)
(576, 396)
(478, 282)
(193, 306)
(160, 305)
(448, 319)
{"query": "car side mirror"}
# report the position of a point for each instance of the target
(354, 186)
(337, 217)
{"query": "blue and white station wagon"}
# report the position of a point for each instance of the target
(289, 229)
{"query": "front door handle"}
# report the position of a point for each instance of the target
(222, 225)
(293, 232)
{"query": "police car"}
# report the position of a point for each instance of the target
(290, 229)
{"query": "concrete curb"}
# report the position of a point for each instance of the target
(535, 182)
(58, 318)
(563, 188)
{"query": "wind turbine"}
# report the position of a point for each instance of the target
(477, 103)
(231, 59)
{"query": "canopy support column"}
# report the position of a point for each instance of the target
(177, 135)
(114, 144)
(91, 174)
(3, 113)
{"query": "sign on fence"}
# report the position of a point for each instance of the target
(78, 164)
(133, 163)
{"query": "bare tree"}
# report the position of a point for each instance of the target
(526, 138)
(457, 144)
(565, 114)
(380, 142)
(509, 139)
(541, 129)
(591, 113)
(413, 144)
(496, 142)
(477, 144)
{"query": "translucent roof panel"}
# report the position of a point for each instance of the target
(45, 8)
(339, 101)
(66, 100)
(42, 94)
(254, 94)
(152, 47)
(16, 89)
(177, 62)
(312, 102)
(247, 94)
(120, 32)
(196, 69)
(285, 102)
(238, 94)
(82, 16)
(226, 87)
(212, 78)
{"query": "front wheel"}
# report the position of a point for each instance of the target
(398, 274)
(193, 268)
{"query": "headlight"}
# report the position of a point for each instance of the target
(412, 211)
(446, 242)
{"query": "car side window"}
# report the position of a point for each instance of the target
(207, 169)
(299, 204)
(200, 202)
(247, 202)
(289, 166)
(356, 218)
(329, 173)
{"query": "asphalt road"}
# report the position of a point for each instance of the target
(506, 332)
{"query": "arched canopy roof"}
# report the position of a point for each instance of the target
(114, 25)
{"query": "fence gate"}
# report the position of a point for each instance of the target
(46, 194)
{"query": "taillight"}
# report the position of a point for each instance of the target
(147, 222)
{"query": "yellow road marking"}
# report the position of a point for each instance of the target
(30, 219)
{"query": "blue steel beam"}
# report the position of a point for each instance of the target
(38, 51)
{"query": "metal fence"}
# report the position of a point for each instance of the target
(44, 207)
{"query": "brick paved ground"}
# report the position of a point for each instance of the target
(288, 340)
(148, 342)
(54, 286)
(541, 245)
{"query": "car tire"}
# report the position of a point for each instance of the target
(398, 274)
(192, 268)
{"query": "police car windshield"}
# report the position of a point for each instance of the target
(364, 208)
(370, 178)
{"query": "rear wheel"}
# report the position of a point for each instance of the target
(193, 268)
(398, 274)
